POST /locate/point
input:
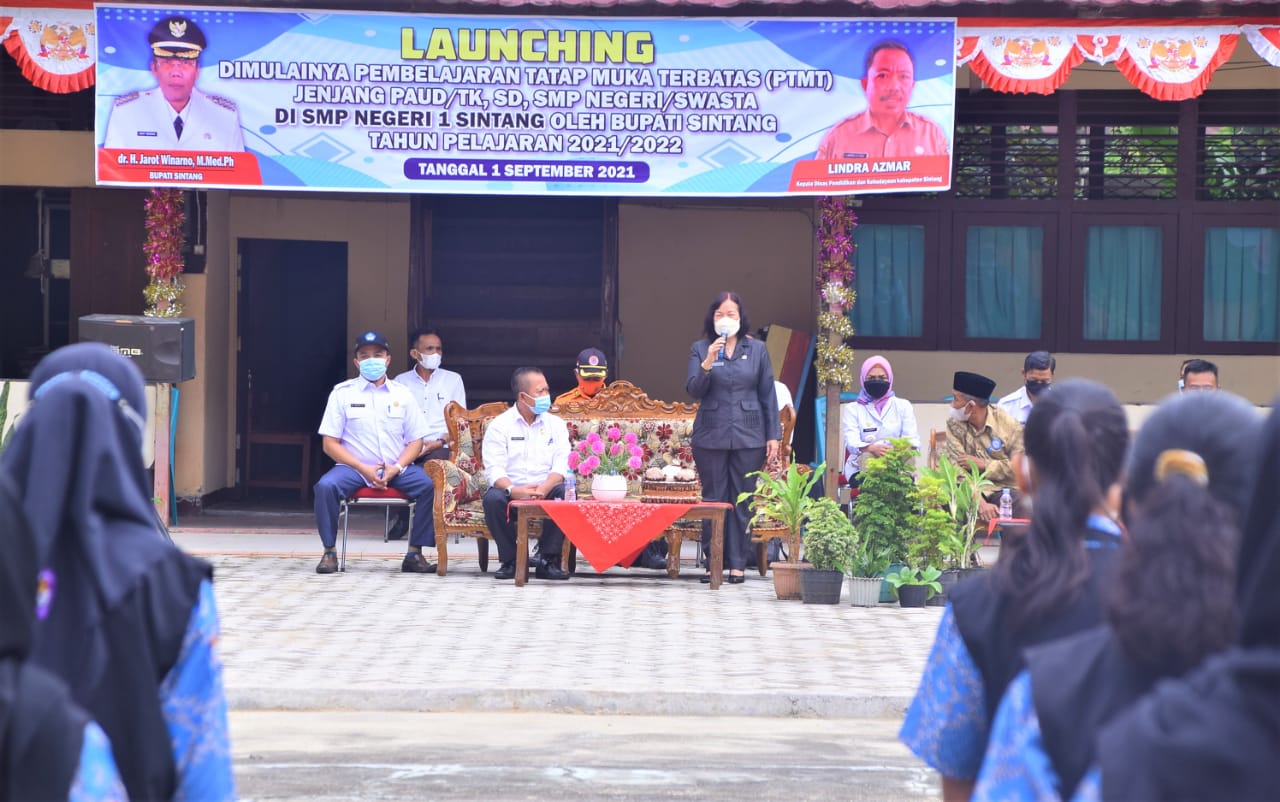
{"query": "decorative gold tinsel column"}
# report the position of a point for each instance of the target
(835, 358)
(165, 218)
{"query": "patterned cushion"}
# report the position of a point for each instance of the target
(469, 514)
(461, 487)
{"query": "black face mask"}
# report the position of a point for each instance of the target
(1035, 388)
(876, 388)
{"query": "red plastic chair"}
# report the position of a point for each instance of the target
(368, 496)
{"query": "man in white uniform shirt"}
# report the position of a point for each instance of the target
(373, 430)
(526, 456)
(433, 387)
(1037, 376)
(175, 115)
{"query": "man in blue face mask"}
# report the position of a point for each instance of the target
(373, 430)
(526, 455)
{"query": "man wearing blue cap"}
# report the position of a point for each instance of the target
(373, 430)
(175, 115)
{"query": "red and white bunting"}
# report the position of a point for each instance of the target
(56, 48)
(1266, 42)
(1172, 60)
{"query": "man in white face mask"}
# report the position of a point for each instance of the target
(433, 387)
(986, 437)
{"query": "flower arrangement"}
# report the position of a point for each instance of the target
(612, 454)
(835, 359)
(165, 216)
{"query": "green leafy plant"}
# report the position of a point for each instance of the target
(913, 576)
(886, 515)
(830, 541)
(784, 498)
(938, 530)
(958, 492)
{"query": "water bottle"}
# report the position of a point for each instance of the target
(1006, 504)
(570, 487)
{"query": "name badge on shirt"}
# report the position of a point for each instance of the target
(868, 431)
(856, 155)
(521, 437)
(719, 363)
(357, 406)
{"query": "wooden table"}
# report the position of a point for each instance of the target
(533, 509)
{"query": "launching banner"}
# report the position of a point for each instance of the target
(373, 102)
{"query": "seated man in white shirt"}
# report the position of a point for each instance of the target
(526, 456)
(373, 430)
(433, 387)
(874, 418)
(1037, 376)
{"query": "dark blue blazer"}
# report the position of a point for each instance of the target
(738, 407)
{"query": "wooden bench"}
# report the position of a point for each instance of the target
(662, 428)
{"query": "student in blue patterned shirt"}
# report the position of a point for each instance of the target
(1046, 585)
(1170, 606)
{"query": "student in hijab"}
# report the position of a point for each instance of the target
(1212, 734)
(1169, 606)
(49, 747)
(1046, 585)
(877, 416)
(131, 626)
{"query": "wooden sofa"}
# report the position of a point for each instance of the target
(663, 429)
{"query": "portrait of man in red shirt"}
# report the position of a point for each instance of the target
(885, 129)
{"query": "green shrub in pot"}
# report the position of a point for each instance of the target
(784, 498)
(886, 515)
(830, 542)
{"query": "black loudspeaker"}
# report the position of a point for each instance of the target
(163, 348)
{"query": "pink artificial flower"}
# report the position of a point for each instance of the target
(590, 464)
(583, 446)
(614, 433)
(615, 449)
(573, 460)
(593, 437)
(630, 438)
(597, 446)
(635, 463)
(637, 451)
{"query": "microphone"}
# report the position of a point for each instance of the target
(722, 350)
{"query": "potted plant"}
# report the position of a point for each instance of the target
(885, 515)
(938, 534)
(914, 587)
(784, 498)
(866, 575)
(605, 460)
(957, 492)
(831, 545)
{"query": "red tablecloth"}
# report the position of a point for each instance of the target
(608, 533)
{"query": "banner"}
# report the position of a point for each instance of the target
(373, 102)
(54, 47)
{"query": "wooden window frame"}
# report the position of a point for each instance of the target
(1124, 214)
(929, 339)
(1191, 301)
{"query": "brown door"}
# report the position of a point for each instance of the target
(293, 348)
(514, 281)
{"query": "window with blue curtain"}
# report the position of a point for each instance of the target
(1122, 282)
(1242, 284)
(1004, 274)
(889, 281)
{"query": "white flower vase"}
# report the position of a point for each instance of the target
(609, 487)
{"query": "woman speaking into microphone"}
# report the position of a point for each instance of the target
(736, 430)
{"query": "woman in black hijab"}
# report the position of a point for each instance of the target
(131, 624)
(48, 744)
(1215, 732)
(1169, 606)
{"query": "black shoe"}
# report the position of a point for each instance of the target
(506, 571)
(415, 563)
(736, 579)
(706, 579)
(651, 560)
(328, 564)
(549, 568)
(398, 529)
